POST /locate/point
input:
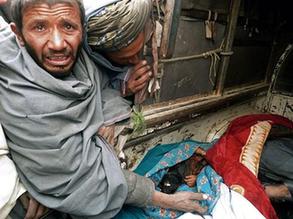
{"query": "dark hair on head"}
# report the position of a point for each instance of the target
(17, 7)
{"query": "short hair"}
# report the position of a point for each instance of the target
(17, 7)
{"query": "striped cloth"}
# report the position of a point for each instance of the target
(115, 26)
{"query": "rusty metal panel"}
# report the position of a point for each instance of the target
(281, 105)
(186, 78)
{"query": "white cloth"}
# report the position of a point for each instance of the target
(231, 205)
(10, 187)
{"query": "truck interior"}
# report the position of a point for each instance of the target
(217, 60)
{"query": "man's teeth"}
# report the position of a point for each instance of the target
(58, 57)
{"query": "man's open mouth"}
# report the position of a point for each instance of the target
(58, 60)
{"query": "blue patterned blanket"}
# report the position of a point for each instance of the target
(156, 163)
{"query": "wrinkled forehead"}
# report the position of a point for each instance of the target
(55, 6)
(43, 9)
(40, 11)
(49, 4)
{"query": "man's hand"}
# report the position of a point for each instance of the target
(34, 209)
(108, 132)
(182, 201)
(139, 77)
(278, 192)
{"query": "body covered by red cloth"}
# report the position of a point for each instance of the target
(236, 157)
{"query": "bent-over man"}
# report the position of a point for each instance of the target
(117, 31)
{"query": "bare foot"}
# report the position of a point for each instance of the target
(280, 191)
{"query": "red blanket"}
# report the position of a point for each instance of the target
(236, 157)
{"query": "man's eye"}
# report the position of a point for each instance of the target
(68, 26)
(39, 28)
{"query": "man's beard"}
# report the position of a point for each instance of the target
(60, 74)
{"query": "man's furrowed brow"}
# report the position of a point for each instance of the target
(37, 20)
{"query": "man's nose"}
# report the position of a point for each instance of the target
(56, 41)
(135, 59)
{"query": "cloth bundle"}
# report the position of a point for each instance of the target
(235, 157)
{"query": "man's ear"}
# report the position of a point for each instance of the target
(17, 33)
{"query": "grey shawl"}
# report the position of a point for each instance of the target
(51, 126)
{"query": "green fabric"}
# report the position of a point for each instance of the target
(130, 212)
(154, 155)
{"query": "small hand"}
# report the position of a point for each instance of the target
(34, 210)
(190, 180)
(139, 77)
(108, 132)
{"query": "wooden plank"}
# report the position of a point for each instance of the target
(158, 116)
